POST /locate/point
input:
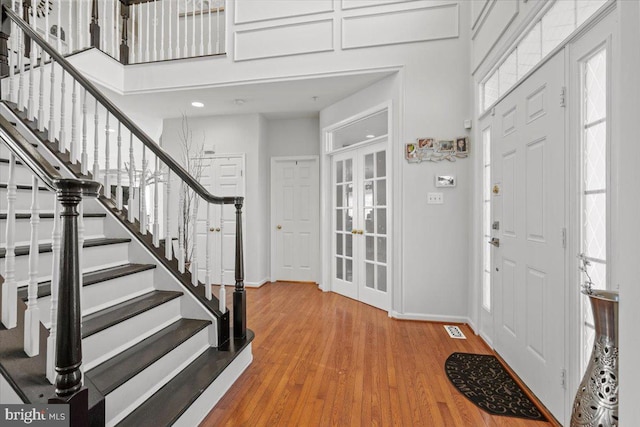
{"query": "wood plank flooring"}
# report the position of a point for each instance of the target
(321, 359)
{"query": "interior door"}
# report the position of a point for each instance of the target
(223, 176)
(361, 225)
(295, 207)
(528, 148)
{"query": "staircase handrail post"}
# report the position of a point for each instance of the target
(124, 40)
(94, 27)
(68, 384)
(239, 294)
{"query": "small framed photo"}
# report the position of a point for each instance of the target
(462, 145)
(446, 146)
(411, 151)
(426, 143)
(445, 181)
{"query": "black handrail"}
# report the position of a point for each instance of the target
(120, 116)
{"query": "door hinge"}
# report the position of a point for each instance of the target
(563, 378)
(563, 96)
(564, 237)
(241, 171)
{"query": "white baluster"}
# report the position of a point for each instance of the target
(114, 26)
(81, 24)
(218, 29)
(131, 181)
(207, 273)
(155, 30)
(181, 221)
(133, 33)
(156, 196)
(73, 150)
(143, 190)
(96, 166)
(31, 113)
(59, 33)
(119, 170)
(107, 155)
(32, 313)
(62, 140)
(185, 49)
(70, 29)
(52, 98)
(194, 241)
(170, 52)
(46, 25)
(104, 26)
(162, 31)
(9, 287)
(201, 17)
(55, 281)
(84, 157)
(223, 291)
(41, 118)
(12, 59)
(147, 41)
(193, 29)
(20, 69)
(209, 51)
(167, 218)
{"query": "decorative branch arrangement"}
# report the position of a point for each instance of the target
(587, 286)
(430, 150)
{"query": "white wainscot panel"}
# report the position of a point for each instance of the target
(413, 25)
(536, 197)
(498, 18)
(284, 40)
(353, 4)
(536, 290)
(263, 10)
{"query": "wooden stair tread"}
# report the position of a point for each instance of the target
(119, 369)
(175, 397)
(91, 278)
(49, 215)
(108, 317)
(46, 247)
(19, 163)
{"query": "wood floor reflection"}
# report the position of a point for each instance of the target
(321, 359)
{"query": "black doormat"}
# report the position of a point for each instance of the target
(482, 379)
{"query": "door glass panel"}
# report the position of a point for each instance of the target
(382, 278)
(339, 196)
(348, 244)
(381, 164)
(368, 193)
(339, 220)
(382, 249)
(339, 173)
(348, 170)
(339, 268)
(339, 244)
(349, 194)
(370, 248)
(368, 166)
(382, 221)
(348, 275)
(368, 220)
(370, 276)
(349, 220)
(381, 192)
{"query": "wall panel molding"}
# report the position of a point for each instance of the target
(492, 27)
(406, 26)
(284, 40)
(357, 4)
(246, 11)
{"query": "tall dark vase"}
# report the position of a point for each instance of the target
(596, 403)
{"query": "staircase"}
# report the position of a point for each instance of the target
(157, 347)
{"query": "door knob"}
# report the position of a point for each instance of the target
(360, 231)
(354, 231)
(495, 242)
(217, 228)
(279, 227)
(212, 229)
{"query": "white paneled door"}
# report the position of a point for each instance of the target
(360, 225)
(528, 152)
(295, 210)
(223, 176)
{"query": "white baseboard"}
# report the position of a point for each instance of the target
(487, 340)
(256, 284)
(472, 325)
(429, 317)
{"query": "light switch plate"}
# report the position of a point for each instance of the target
(435, 198)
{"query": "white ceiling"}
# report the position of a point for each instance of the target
(285, 99)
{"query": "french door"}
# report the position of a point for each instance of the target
(360, 225)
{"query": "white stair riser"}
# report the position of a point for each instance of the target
(210, 397)
(93, 257)
(107, 343)
(106, 294)
(22, 173)
(121, 401)
(23, 200)
(92, 227)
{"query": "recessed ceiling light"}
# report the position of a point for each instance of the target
(370, 136)
(197, 104)
(111, 130)
(239, 101)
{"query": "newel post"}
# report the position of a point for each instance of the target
(94, 27)
(68, 382)
(239, 294)
(124, 40)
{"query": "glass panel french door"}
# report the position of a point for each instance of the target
(361, 224)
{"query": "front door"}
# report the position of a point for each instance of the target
(295, 208)
(528, 146)
(360, 225)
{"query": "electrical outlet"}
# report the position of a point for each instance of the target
(435, 198)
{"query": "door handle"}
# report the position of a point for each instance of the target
(360, 231)
(495, 242)
(212, 229)
(279, 227)
(354, 231)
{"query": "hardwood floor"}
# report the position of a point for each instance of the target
(322, 359)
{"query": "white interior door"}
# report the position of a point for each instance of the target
(361, 225)
(295, 209)
(528, 147)
(223, 176)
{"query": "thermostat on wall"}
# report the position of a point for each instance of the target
(445, 181)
